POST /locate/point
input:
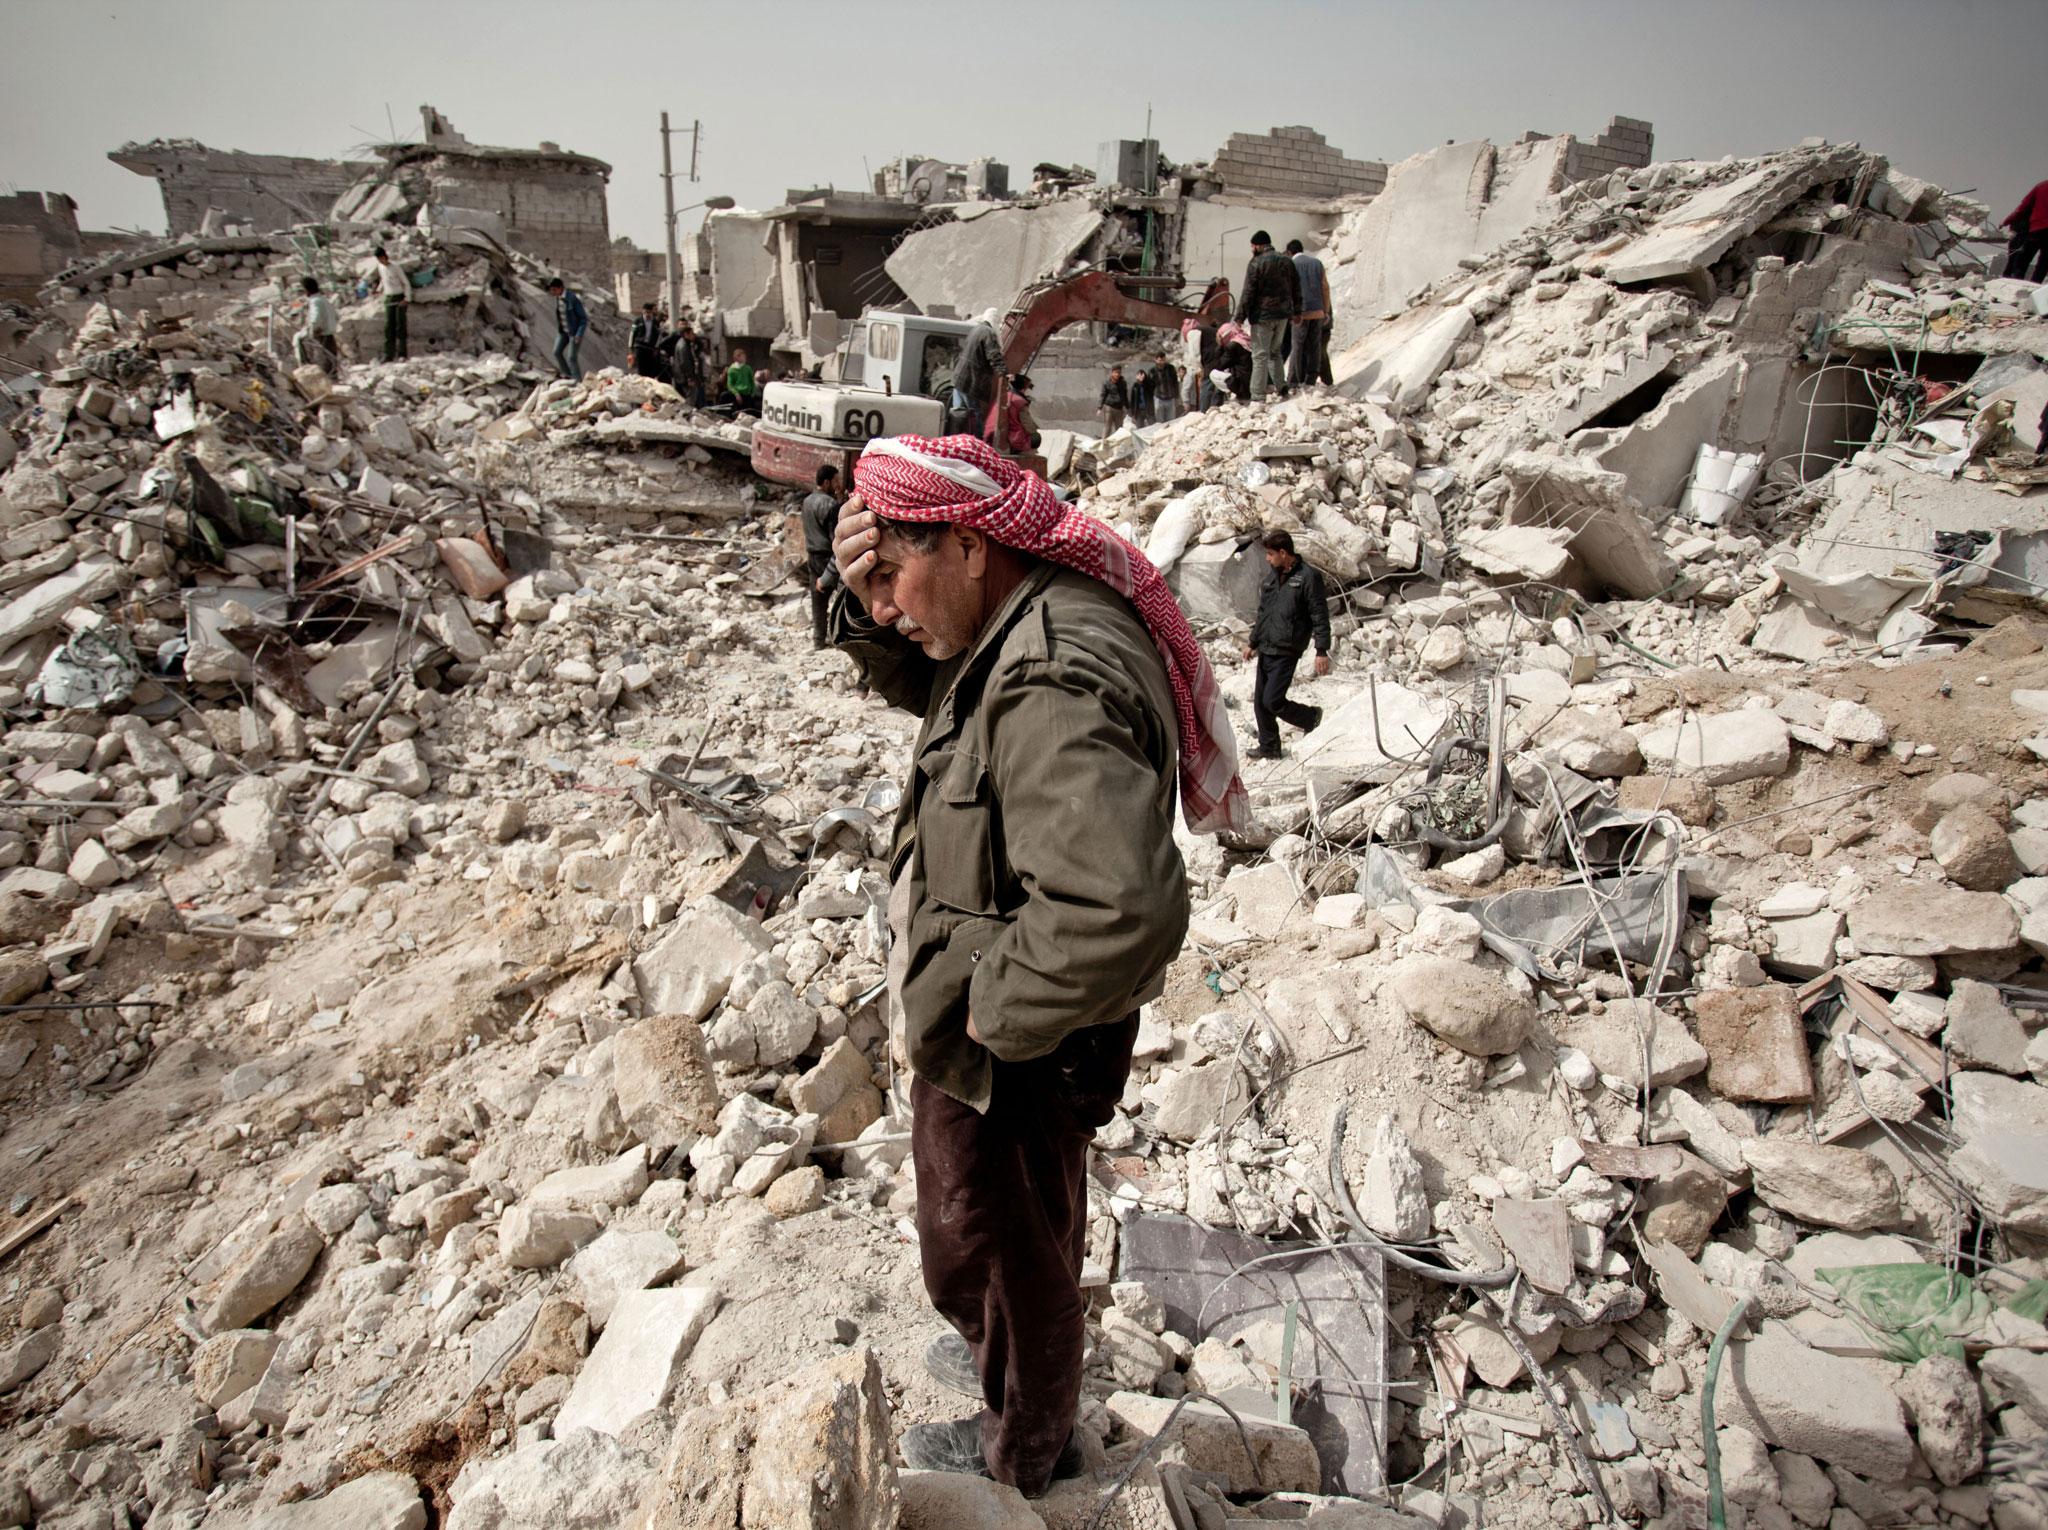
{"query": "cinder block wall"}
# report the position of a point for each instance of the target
(1624, 144)
(556, 214)
(1294, 162)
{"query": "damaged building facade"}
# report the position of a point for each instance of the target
(546, 202)
(254, 192)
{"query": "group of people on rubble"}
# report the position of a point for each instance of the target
(1277, 339)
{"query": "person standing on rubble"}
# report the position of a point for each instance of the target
(1114, 401)
(2029, 246)
(645, 342)
(739, 381)
(1040, 894)
(980, 377)
(1310, 359)
(397, 289)
(1020, 430)
(1291, 612)
(1271, 297)
(1165, 390)
(314, 344)
(821, 517)
(571, 321)
(686, 365)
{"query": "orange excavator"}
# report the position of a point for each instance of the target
(895, 373)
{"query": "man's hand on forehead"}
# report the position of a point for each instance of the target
(856, 540)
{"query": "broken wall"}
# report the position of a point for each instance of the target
(267, 191)
(1294, 162)
(1438, 208)
(746, 278)
(1216, 235)
(1624, 144)
(984, 261)
(554, 209)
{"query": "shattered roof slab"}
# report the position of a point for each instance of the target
(1699, 233)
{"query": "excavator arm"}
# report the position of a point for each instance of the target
(1094, 295)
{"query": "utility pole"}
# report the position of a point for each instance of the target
(668, 197)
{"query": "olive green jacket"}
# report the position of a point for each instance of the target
(1046, 891)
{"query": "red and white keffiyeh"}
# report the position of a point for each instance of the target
(962, 480)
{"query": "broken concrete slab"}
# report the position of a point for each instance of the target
(1720, 748)
(1756, 1044)
(1615, 1038)
(1520, 552)
(1828, 1186)
(85, 583)
(1837, 1409)
(1609, 537)
(633, 1366)
(1205, 1438)
(1706, 226)
(618, 1263)
(689, 969)
(1923, 919)
(968, 265)
(380, 1501)
(812, 1453)
(1347, 744)
(667, 1093)
(1982, 1031)
(1539, 1236)
(1403, 358)
(2002, 1125)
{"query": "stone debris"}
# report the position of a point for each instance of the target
(467, 894)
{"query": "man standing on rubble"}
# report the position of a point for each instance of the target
(397, 289)
(645, 342)
(980, 377)
(314, 344)
(1040, 894)
(2029, 246)
(1309, 360)
(1114, 401)
(821, 517)
(1271, 297)
(686, 365)
(570, 322)
(1291, 611)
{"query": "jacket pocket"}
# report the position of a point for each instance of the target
(955, 831)
(936, 986)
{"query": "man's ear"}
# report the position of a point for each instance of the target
(973, 550)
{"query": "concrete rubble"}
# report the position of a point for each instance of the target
(445, 1053)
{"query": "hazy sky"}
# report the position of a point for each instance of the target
(802, 92)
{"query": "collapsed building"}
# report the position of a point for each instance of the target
(444, 1041)
(544, 202)
(789, 282)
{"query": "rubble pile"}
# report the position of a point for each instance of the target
(470, 295)
(616, 449)
(447, 1057)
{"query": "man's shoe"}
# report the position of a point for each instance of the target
(956, 1447)
(1315, 720)
(1263, 754)
(953, 1447)
(949, 1362)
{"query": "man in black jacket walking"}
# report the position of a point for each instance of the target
(1291, 611)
